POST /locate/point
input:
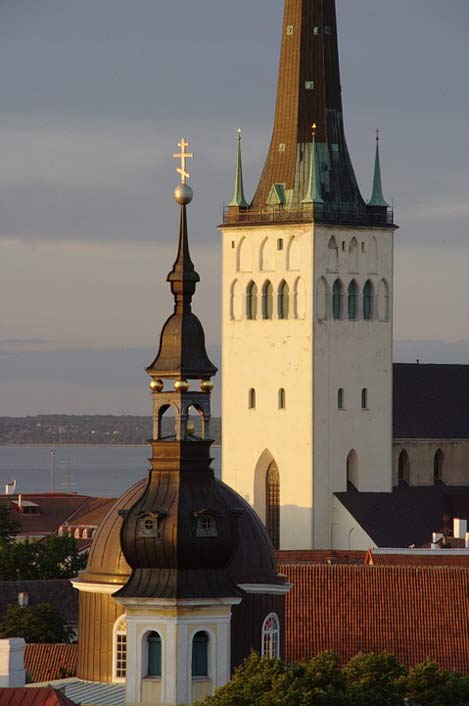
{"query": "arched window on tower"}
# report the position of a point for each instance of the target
(270, 641)
(403, 467)
(337, 300)
(283, 300)
(282, 402)
(272, 503)
(438, 466)
(120, 650)
(200, 654)
(368, 301)
(251, 301)
(267, 300)
(340, 398)
(352, 469)
(353, 300)
(365, 398)
(154, 654)
(252, 399)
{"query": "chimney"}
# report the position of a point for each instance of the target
(467, 540)
(459, 528)
(436, 540)
(12, 672)
(23, 599)
(20, 502)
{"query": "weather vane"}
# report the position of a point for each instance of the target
(183, 156)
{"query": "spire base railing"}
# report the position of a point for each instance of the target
(345, 214)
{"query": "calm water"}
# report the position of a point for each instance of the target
(104, 471)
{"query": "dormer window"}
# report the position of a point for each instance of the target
(206, 524)
(149, 525)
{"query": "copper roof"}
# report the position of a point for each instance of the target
(33, 696)
(46, 662)
(414, 612)
(253, 562)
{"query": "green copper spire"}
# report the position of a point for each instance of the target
(313, 192)
(377, 197)
(238, 196)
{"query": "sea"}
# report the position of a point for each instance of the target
(101, 471)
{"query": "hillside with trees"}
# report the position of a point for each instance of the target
(85, 430)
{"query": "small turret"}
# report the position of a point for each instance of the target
(313, 192)
(239, 200)
(377, 197)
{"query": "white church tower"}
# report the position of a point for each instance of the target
(307, 310)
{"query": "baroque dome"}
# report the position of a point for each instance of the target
(254, 560)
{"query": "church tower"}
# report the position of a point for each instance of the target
(307, 308)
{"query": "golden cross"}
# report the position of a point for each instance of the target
(183, 156)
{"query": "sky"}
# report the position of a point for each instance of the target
(95, 97)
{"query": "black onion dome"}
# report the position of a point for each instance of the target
(182, 352)
(254, 560)
(181, 533)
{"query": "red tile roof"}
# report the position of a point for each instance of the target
(55, 509)
(417, 558)
(46, 662)
(45, 696)
(414, 612)
(319, 556)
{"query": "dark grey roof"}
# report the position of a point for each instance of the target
(59, 593)
(431, 401)
(408, 515)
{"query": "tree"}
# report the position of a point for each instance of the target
(429, 685)
(374, 679)
(40, 623)
(8, 528)
(52, 558)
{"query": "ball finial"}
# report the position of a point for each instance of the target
(183, 194)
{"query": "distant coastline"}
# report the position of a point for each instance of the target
(89, 430)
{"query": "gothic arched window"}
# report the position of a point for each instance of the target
(353, 300)
(267, 300)
(154, 654)
(337, 300)
(251, 301)
(252, 399)
(365, 398)
(340, 398)
(272, 503)
(352, 468)
(368, 296)
(283, 300)
(438, 466)
(120, 649)
(282, 402)
(200, 654)
(270, 643)
(403, 467)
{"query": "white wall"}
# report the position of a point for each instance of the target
(266, 356)
(311, 356)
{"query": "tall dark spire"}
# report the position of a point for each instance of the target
(309, 91)
(180, 534)
(182, 353)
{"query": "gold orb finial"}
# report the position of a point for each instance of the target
(156, 385)
(206, 385)
(190, 428)
(181, 385)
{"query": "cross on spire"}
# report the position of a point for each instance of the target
(183, 156)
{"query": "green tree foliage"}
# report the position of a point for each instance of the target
(40, 623)
(429, 685)
(8, 528)
(52, 558)
(368, 675)
(367, 680)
